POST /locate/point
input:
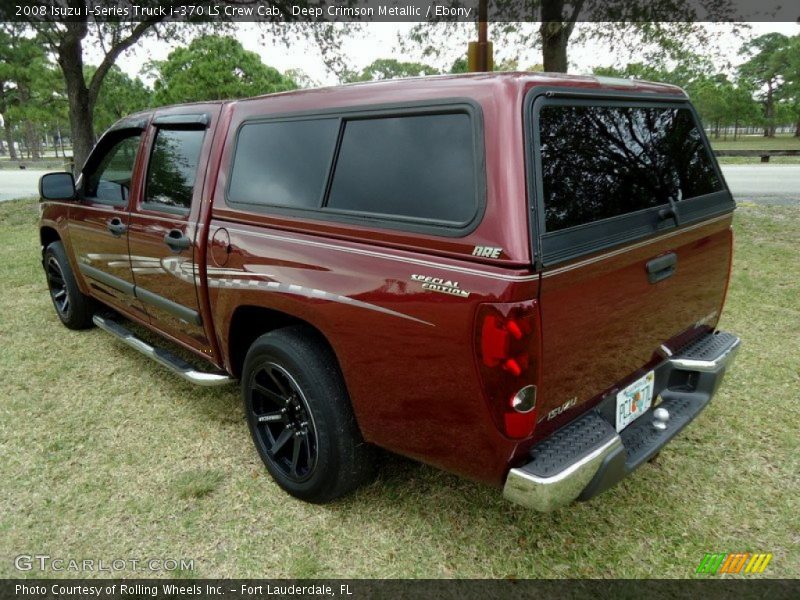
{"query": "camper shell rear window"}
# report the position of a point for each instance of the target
(606, 171)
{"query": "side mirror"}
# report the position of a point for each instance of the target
(57, 186)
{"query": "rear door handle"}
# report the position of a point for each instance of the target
(116, 226)
(176, 240)
(662, 267)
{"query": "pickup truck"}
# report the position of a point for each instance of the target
(513, 277)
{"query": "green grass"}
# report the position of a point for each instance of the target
(45, 164)
(757, 142)
(105, 455)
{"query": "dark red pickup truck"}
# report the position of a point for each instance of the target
(514, 277)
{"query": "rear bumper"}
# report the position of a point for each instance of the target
(588, 456)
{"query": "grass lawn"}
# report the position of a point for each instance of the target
(105, 455)
(757, 142)
(50, 163)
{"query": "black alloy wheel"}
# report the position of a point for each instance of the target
(58, 287)
(74, 309)
(300, 416)
(282, 421)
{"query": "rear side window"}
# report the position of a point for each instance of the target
(173, 168)
(415, 170)
(283, 163)
(599, 162)
(420, 167)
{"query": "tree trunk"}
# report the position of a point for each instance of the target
(80, 119)
(769, 112)
(555, 32)
(554, 47)
(70, 59)
(797, 129)
(12, 151)
(31, 140)
(735, 129)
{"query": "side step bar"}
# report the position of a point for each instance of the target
(160, 355)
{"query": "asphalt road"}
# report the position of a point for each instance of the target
(769, 184)
(18, 183)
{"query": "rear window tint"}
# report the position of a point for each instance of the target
(603, 161)
(419, 167)
(283, 163)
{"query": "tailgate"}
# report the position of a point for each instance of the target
(634, 239)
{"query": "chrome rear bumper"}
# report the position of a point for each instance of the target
(709, 354)
(548, 493)
(588, 456)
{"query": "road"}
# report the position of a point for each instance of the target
(18, 183)
(769, 184)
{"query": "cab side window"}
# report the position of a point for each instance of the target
(109, 179)
(172, 170)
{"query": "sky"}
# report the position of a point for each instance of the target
(380, 40)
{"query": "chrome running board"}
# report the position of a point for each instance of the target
(174, 363)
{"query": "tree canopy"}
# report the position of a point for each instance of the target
(389, 68)
(763, 91)
(768, 70)
(120, 95)
(654, 27)
(214, 67)
(68, 42)
(31, 92)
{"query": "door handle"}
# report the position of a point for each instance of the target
(116, 226)
(176, 240)
(662, 267)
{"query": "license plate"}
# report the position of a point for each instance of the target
(634, 400)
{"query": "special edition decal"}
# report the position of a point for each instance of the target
(441, 285)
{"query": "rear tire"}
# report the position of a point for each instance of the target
(73, 307)
(300, 417)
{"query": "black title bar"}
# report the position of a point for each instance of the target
(398, 10)
(459, 589)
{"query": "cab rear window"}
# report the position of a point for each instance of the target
(599, 162)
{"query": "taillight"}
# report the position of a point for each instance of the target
(507, 347)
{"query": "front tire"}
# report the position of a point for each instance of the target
(300, 417)
(73, 307)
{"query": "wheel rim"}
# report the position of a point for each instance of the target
(57, 285)
(282, 422)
